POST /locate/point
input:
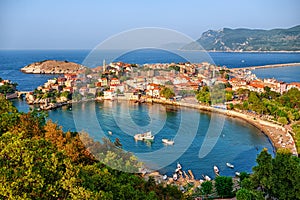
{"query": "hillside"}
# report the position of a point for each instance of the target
(52, 67)
(249, 40)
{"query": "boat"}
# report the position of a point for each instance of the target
(147, 136)
(216, 169)
(109, 132)
(167, 141)
(206, 178)
(230, 165)
(179, 168)
(237, 173)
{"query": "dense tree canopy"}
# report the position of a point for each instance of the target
(277, 178)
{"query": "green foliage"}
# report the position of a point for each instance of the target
(296, 130)
(277, 178)
(8, 88)
(203, 96)
(175, 67)
(167, 92)
(285, 178)
(263, 170)
(224, 186)
(282, 120)
(284, 108)
(244, 194)
(206, 187)
(255, 40)
(30, 168)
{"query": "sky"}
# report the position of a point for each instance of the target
(83, 24)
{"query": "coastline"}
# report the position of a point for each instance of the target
(267, 66)
(278, 135)
(212, 51)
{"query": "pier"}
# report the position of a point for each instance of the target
(267, 66)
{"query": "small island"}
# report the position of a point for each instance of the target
(53, 67)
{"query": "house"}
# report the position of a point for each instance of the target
(69, 83)
(104, 82)
(153, 92)
(92, 91)
(293, 85)
(70, 76)
(109, 95)
(57, 87)
(61, 81)
(114, 81)
(83, 91)
(256, 86)
(131, 95)
(68, 89)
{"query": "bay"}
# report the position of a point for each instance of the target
(239, 142)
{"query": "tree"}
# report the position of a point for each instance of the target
(206, 187)
(30, 168)
(275, 178)
(285, 178)
(282, 120)
(244, 194)
(224, 186)
(167, 92)
(263, 171)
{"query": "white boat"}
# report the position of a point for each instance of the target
(167, 141)
(147, 136)
(216, 169)
(206, 178)
(109, 132)
(179, 168)
(230, 165)
(237, 173)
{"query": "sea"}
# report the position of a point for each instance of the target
(202, 139)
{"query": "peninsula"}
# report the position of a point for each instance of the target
(248, 40)
(235, 92)
(53, 67)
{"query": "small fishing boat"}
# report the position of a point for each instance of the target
(237, 173)
(109, 132)
(216, 169)
(206, 178)
(147, 136)
(230, 165)
(179, 168)
(167, 141)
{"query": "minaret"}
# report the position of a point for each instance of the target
(104, 66)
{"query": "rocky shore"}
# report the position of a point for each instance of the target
(53, 67)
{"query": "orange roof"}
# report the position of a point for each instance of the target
(295, 83)
(257, 85)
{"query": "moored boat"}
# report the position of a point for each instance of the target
(167, 141)
(147, 136)
(230, 165)
(216, 169)
(206, 178)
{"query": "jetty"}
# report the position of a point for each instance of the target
(267, 66)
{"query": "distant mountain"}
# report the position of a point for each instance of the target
(248, 40)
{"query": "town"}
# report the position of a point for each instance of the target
(162, 81)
